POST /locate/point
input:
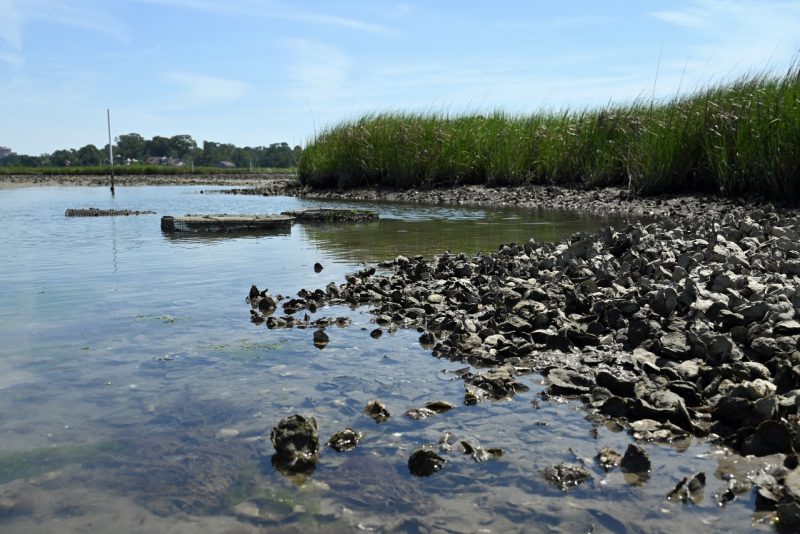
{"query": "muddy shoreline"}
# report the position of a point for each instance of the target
(609, 200)
(686, 326)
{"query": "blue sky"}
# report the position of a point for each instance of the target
(254, 72)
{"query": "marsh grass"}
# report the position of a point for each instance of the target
(738, 138)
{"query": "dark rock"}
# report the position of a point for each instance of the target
(567, 381)
(498, 383)
(689, 489)
(321, 339)
(427, 339)
(419, 413)
(733, 489)
(377, 411)
(565, 476)
(769, 438)
(266, 303)
(665, 302)
(424, 463)
(375, 334)
(479, 454)
(675, 346)
(635, 460)
(318, 267)
(296, 443)
(787, 328)
(439, 406)
(658, 431)
(345, 440)
(792, 483)
(608, 458)
(788, 516)
(615, 407)
(254, 293)
(615, 385)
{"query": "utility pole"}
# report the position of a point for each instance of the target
(110, 150)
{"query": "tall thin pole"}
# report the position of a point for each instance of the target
(110, 150)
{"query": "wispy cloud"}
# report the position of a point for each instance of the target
(200, 89)
(11, 23)
(12, 58)
(741, 19)
(738, 35)
(271, 10)
(571, 23)
(316, 68)
(686, 19)
(16, 14)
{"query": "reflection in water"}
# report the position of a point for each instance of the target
(209, 238)
(133, 380)
(463, 231)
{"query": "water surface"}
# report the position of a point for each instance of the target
(136, 395)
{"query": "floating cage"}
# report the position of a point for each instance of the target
(95, 212)
(328, 215)
(225, 223)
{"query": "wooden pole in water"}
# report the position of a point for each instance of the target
(110, 150)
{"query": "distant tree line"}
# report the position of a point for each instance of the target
(132, 148)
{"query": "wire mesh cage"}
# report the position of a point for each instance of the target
(224, 223)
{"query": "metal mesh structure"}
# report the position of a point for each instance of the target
(225, 223)
(323, 215)
(95, 212)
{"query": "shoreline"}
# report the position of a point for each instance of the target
(607, 200)
(15, 181)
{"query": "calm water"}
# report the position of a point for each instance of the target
(135, 394)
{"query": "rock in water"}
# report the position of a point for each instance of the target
(479, 454)
(424, 463)
(377, 410)
(608, 458)
(345, 440)
(565, 476)
(318, 267)
(254, 293)
(321, 339)
(296, 443)
(635, 460)
(689, 489)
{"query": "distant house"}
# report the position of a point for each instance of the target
(5, 152)
(226, 165)
(164, 160)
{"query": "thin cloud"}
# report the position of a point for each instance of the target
(271, 10)
(681, 18)
(10, 24)
(317, 68)
(200, 89)
(16, 14)
(12, 58)
(738, 35)
(571, 23)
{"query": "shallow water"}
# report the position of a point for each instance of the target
(136, 395)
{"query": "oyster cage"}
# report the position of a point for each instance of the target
(326, 215)
(225, 223)
(95, 212)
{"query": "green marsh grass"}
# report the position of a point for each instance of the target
(736, 138)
